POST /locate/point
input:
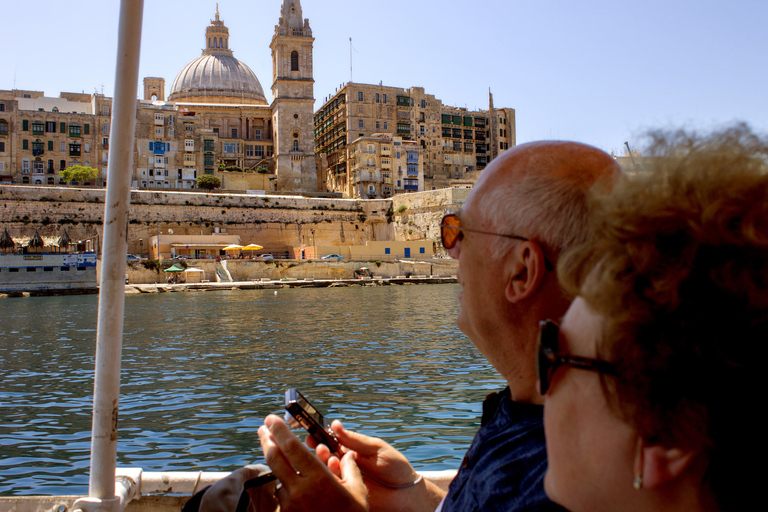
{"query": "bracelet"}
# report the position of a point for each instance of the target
(385, 484)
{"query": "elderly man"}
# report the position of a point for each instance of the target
(528, 206)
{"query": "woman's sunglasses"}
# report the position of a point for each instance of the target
(549, 358)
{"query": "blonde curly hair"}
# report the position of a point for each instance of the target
(678, 269)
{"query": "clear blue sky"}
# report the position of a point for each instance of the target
(597, 71)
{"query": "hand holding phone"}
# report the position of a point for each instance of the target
(300, 412)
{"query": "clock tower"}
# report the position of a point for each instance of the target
(293, 101)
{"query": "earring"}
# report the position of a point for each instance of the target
(637, 483)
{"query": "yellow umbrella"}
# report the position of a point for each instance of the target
(233, 247)
(252, 247)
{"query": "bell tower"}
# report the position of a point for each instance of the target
(293, 101)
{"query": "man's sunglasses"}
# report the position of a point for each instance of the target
(549, 358)
(451, 231)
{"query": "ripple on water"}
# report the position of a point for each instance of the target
(200, 372)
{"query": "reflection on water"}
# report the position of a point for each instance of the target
(201, 370)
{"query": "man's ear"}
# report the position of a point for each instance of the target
(662, 465)
(524, 271)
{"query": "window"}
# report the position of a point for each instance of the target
(105, 129)
(377, 124)
(295, 145)
(63, 127)
(25, 165)
(74, 149)
(2, 166)
(208, 159)
(38, 167)
(384, 98)
(360, 124)
(86, 129)
(38, 128)
(423, 104)
(87, 147)
(228, 147)
(105, 142)
(25, 124)
(421, 129)
(3, 127)
(258, 150)
(385, 125)
(2, 107)
(234, 133)
(158, 131)
(74, 130)
(208, 144)
(63, 146)
(386, 250)
(2, 147)
(37, 148)
(294, 61)
(421, 250)
(189, 144)
(189, 160)
(359, 96)
(377, 97)
(24, 144)
(189, 128)
(50, 145)
(62, 164)
(256, 134)
(105, 110)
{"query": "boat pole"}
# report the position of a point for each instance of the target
(109, 335)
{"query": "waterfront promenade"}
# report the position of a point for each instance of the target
(265, 283)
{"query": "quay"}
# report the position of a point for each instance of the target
(265, 283)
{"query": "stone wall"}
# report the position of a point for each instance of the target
(275, 222)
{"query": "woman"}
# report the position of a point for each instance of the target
(671, 320)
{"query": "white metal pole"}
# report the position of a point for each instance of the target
(109, 337)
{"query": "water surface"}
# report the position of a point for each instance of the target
(201, 370)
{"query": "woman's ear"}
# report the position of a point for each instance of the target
(524, 269)
(662, 465)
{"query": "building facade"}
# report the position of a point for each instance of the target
(215, 120)
(383, 165)
(39, 136)
(456, 143)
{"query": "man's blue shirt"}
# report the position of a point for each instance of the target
(504, 468)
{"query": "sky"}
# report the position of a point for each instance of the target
(596, 71)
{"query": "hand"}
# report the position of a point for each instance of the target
(306, 482)
(384, 469)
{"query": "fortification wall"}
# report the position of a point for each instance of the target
(275, 222)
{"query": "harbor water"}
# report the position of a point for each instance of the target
(201, 370)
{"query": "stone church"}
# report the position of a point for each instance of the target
(216, 119)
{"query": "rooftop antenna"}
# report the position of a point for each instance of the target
(350, 59)
(630, 156)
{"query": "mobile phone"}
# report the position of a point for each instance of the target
(302, 413)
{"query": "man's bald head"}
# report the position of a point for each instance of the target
(540, 190)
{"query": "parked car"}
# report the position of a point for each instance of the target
(132, 257)
(336, 257)
(266, 257)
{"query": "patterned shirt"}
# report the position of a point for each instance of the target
(504, 468)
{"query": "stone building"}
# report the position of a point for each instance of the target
(215, 120)
(40, 135)
(456, 143)
(383, 165)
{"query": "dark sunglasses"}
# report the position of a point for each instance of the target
(451, 231)
(549, 358)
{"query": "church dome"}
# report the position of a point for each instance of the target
(217, 76)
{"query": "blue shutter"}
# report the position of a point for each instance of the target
(150, 145)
